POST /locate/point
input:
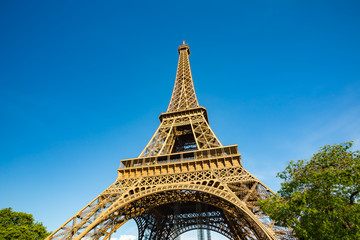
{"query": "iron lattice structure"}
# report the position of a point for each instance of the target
(184, 179)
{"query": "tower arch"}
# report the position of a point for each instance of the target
(133, 205)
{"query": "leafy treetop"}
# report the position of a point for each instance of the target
(319, 198)
(21, 226)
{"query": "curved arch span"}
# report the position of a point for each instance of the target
(177, 218)
(125, 207)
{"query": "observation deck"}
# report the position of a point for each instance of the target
(196, 160)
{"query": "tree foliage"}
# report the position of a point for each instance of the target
(21, 226)
(319, 198)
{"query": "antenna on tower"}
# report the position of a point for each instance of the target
(183, 42)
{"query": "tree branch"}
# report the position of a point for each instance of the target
(352, 197)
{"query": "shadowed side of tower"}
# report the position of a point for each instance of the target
(184, 179)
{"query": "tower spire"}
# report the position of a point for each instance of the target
(183, 96)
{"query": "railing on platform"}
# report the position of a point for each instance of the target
(183, 156)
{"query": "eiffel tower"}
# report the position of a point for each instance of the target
(184, 179)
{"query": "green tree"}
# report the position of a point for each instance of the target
(319, 198)
(19, 225)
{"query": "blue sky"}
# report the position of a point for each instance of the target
(82, 84)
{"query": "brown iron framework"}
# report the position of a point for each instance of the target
(184, 167)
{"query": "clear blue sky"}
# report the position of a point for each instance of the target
(82, 84)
